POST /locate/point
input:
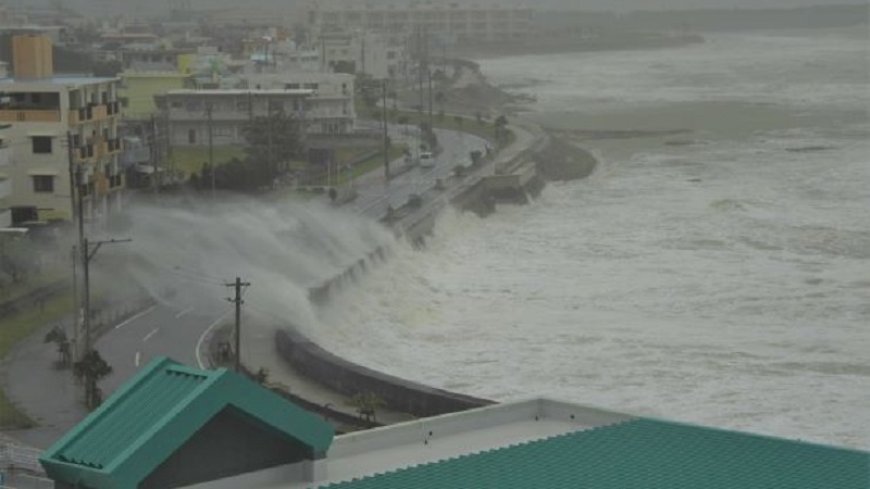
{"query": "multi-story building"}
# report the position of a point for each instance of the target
(362, 52)
(323, 102)
(5, 178)
(451, 21)
(329, 109)
(197, 116)
(58, 122)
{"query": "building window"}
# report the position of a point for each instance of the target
(41, 144)
(43, 183)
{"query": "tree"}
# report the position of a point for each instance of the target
(428, 135)
(91, 369)
(440, 98)
(368, 89)
(272, 142)
(17, 259)
(366, 405)
(57, 335)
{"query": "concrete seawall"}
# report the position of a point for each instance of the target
(515, 179)
(350, 379)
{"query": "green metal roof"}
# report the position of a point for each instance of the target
(641, 454)
(156, 412)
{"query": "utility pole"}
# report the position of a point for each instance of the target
(386, 135)
(429, 74)
(77, 211)
(208, 111)
(88, 255)
(75, 291)
(271, 141)
(237, 285)
(420, 63)
(153, 150)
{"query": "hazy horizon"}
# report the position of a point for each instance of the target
(136, 6)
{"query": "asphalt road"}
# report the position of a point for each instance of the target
(53, 399)
(158, 331)
(374, 194)
(179, 333)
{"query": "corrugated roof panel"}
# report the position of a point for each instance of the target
(119, 428)
(154, 413)
(642, 453)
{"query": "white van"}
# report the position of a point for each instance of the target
(427, 160)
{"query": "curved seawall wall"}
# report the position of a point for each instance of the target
(349, 379)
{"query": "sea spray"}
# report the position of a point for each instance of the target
(182, 255)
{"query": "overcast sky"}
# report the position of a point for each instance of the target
(118, 6)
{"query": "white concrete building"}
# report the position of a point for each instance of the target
(323, 102)
(231, 111)
(329, 109)
(46, 113)
(462, 22)
(5, 177)
(363, 52)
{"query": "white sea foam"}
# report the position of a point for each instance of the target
(723, 283)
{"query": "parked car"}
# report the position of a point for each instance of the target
(427, 160)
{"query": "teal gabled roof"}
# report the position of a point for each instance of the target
(156, 412)
(641, 454)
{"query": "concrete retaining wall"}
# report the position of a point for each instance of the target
(349, 379)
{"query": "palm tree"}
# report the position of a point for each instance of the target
(57, 335)
(92, 368)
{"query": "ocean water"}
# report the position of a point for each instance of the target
(719, 275)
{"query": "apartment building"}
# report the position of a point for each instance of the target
(361, 52)
(197, 116)
(54, 120)
(329, 109)
(451, 21)
(5, 178)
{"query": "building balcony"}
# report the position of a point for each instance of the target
(5, 218)
(5, 155)
(86, 151)
(110, 146)
(5, 187)
(93, 113)
(29, 115)
(113, 108)
(83, 114)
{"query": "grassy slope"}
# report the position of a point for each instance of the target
(16, 327)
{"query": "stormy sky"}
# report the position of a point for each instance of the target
(130, 6)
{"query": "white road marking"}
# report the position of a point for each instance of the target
(203, 336)
(149, 335)
(137, 316)
(182, 313)
(136, 360)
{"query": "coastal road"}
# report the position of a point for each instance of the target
(375, 194)
(158, 331)
(178, 332)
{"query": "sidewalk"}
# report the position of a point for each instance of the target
(262, 353)
(49, 396)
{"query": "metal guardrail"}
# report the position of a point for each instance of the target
(17, 457)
